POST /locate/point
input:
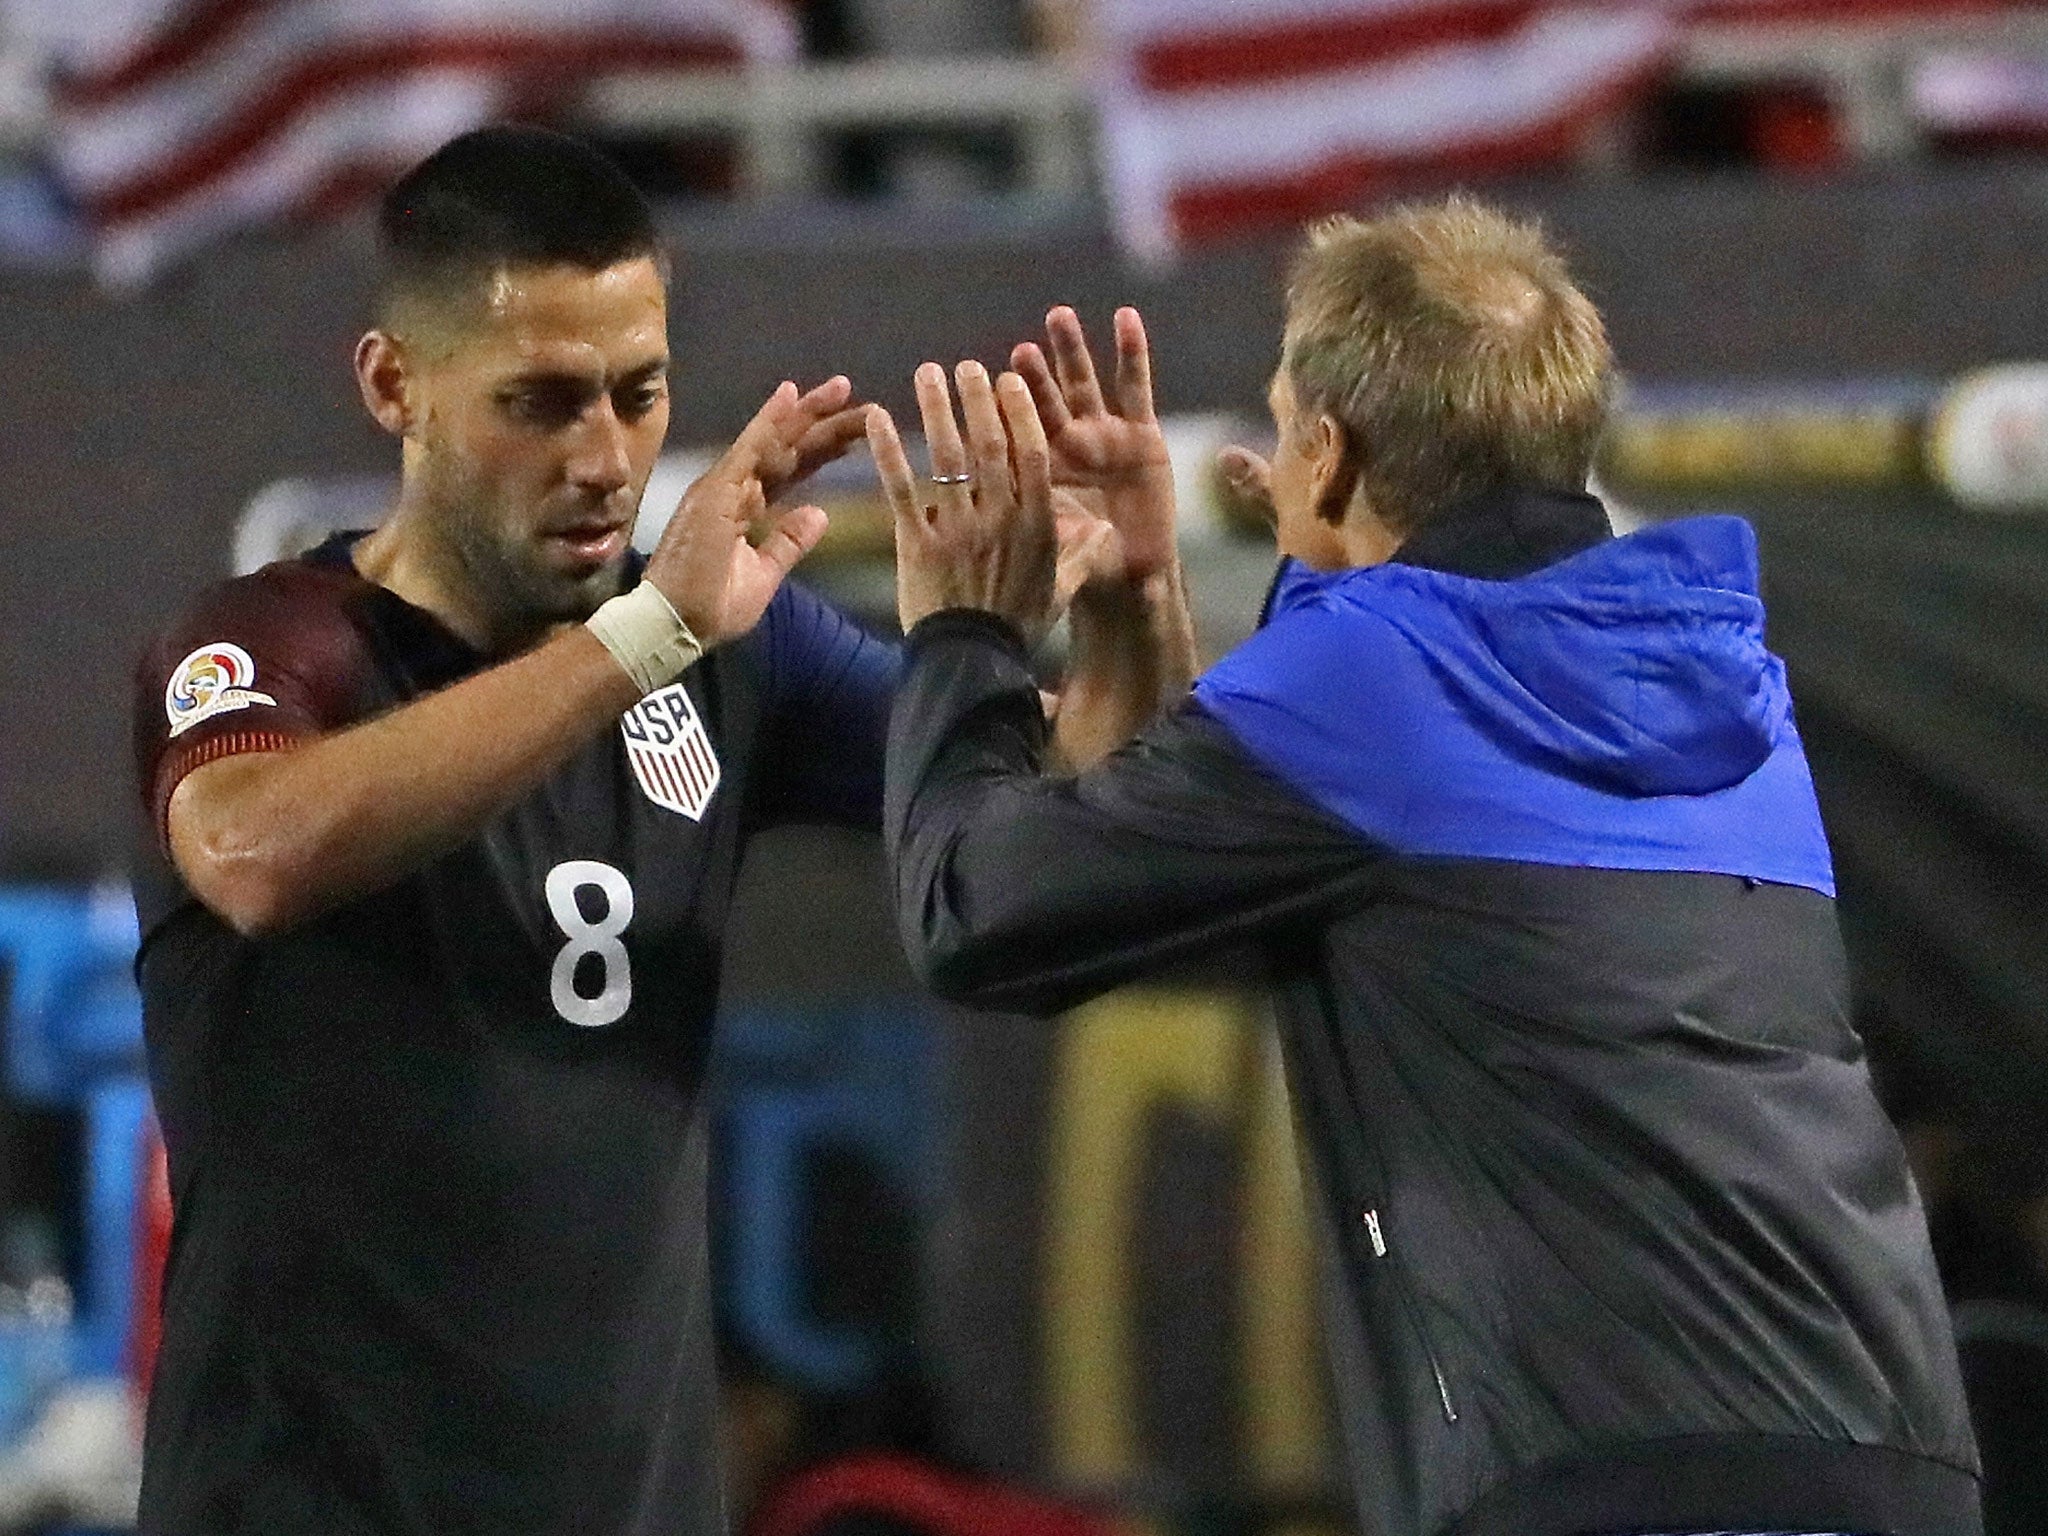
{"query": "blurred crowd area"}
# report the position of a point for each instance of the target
(975, 1274)
(121, 118)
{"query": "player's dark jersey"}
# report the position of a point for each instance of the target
(438, 1157)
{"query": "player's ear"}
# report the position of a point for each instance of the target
(382, 376)
(1332, 468)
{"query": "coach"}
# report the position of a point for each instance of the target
(1618, 1238)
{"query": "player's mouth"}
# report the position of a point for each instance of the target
(590, 544)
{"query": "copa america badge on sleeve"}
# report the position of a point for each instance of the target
(213, 680)
(670, 751)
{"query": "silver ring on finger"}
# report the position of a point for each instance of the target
(966, 479)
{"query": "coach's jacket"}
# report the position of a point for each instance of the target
(1618, 1237)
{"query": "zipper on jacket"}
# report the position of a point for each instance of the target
(1377, 1234)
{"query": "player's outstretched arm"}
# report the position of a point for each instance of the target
(1133, 640)
(268, 839)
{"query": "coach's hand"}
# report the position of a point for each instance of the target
(1250, 479)
(1113, 447)
(980, 533)
(718, 583)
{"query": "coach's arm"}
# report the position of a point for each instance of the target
(1028, 892)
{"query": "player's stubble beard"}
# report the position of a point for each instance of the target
(500, 565)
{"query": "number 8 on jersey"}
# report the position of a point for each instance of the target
(600, 938)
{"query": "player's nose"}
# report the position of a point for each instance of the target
(600, 462)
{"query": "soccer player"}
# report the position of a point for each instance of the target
(447, 819)
(1618, 1238)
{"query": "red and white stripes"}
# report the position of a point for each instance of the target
(1287, 108)
(1225, 115)
(176, 122)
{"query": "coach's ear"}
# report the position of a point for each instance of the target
(381, 375)
(1332, 468)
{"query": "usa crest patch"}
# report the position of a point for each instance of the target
(670, 751)
(211, 681)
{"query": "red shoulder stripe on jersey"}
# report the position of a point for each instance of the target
(175, 765)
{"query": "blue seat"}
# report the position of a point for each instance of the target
(74, 1040)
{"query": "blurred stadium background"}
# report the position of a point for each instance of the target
(1060, 1258)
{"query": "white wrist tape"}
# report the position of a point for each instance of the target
(646, 636)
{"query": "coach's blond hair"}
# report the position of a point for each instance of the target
(1452, 345)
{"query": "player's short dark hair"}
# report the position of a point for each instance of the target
(503, 197)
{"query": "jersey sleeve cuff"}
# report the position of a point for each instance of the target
(175, 765)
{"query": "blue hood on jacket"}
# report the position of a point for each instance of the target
(1638, 665)
(1617, 708)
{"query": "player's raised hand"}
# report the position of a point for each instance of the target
(981, 533)
(833, 423)
(1110, 444)
(717, 582)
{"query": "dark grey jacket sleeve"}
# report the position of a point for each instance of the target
(1030, 893)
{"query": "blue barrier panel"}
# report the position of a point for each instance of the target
(74, 1040)
(795, 1084)
(116, 1121)
(73, 1014)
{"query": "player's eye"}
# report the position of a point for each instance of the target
(543, 405)
(634, 403)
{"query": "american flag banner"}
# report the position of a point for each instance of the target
(1221, 116)
(1225, 115)
(175, 121)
